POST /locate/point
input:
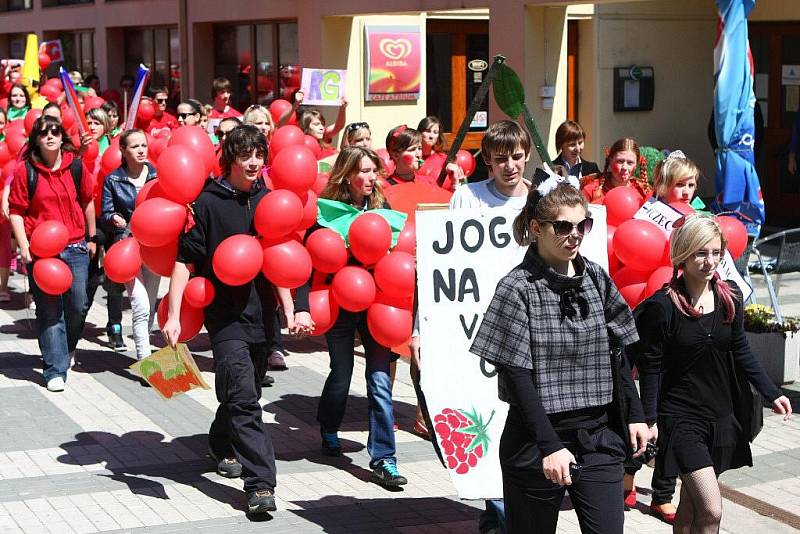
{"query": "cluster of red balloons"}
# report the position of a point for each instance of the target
(52, 275)
(639, 251)
(433, 166)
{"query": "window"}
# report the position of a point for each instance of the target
(159, 50)
(15, 5)
(247, 54)
(78, 51)
(57, 3)
(16, 46)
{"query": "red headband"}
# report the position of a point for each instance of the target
(400, 129)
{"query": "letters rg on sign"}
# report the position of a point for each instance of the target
(323, 87)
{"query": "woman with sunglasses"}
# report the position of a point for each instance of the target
(548, 330)
(692, 347)
(189, 112)
(357, 134)
(63, 192)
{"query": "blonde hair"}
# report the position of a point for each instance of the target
(672, 170)
(347, 164)
(545, 208)
(253, 113)
(697, 231)
(100, 115)
(355, 132)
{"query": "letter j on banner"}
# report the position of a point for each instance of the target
(323, 87)
(394, 62)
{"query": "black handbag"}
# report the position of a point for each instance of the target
(746, 402)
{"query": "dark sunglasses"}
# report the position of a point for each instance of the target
(184, 115)
(161, 100)
(353, 126)
(220, 133)
(564, 228)
(54, 130)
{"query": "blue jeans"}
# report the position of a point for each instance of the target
(333, 401)
(60, 317)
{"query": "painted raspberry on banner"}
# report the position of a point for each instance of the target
(463, 436)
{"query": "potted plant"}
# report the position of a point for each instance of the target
(776, 344)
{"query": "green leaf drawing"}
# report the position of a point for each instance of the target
(508, 91)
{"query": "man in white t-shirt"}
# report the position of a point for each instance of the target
(506, 147)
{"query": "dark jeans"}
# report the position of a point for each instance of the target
(97, 277)
(333, 401)
(663, 486)
(276, 343)
(60, 317)
(532, 502)
(238, 430)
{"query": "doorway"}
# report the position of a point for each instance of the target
(776, 48)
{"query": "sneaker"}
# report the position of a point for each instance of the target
(330, 444)
(55, 384)
(261, 502)
(386, 474)
(227, 467)
(267, 381)
(115, 338)
(276, 361)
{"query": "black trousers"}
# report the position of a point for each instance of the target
(532, 502)
(97, 277)
(663, 486)
(238, 430)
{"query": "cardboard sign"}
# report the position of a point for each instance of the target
(53, 49)
(170, 371)
(323, 87)
(394, 59)
(461, 255)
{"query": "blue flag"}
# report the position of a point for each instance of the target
(736, 181)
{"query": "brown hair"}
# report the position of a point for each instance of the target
(24, 92)
(348, 163)
(426, 124)
(240, 142)
(34, 153)
(400, 138)
(503, 137)
(626, 144)
(545, 208)
(567, 132)
(220, 84)
(306, 117)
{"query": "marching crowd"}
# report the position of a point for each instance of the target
(560, 334)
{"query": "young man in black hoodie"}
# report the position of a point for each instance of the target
(239, 320)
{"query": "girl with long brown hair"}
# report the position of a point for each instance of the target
(621, 162)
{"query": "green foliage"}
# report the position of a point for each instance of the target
(508, 91)
(652, 156)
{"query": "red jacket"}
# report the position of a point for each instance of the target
(55, 197)
(165, 122)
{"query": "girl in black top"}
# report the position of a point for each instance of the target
(692, 342)
(548, 331)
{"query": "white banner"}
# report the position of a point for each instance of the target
(461, 255)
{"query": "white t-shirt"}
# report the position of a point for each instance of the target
(484, 194)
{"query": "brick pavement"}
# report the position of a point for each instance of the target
(109, 455)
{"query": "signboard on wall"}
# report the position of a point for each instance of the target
(394, 62)
(53, 49)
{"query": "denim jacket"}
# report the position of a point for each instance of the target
(119, 198)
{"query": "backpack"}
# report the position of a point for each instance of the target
(75, 169)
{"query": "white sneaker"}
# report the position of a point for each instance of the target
(55, 384)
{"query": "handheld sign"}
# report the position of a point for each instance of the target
(170, 371)
(323, 87)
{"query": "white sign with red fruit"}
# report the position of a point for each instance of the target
(461, 255)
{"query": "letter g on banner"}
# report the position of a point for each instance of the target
(330, 85)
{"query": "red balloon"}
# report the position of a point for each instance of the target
(621, 203)
(682, 207)
(287, 264)
(433, 164)
(199, 292)
(158, 221)
(324, 310)
(406, 303)
(353, 288)
(52, 276)
(320, 183)
(92, 102)
(327, 249)
(278, 108)
(294, 168)
(388, 162)
(389, 326)
(735, 234)
(112, 158)
(466, 161)
(610, 231)
(146, 111)
(30, 117)
(395, 274)
(50, 93)
(91, 153)
(639, 244)
(237, 260)
(370, 238)
(191, 319)
(49, 239)
(150, 189)
(67, 117)
(286, 136)
(44, 61)
(160, 260)
(278, 213)
(309, 211)
(660, 276)
(631, 284)
(156, 147)
(123, 260)
(180, 175)
(15, 139)
(198, 140)
(312, 144)
(407, 240)
(5, 154)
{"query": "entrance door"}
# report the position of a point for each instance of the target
(457, 61)
(776, 50)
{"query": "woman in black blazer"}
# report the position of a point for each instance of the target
(570, 138)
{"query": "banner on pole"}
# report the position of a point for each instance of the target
(323, 87)
(461, 255)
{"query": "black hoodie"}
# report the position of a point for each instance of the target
(237, 312)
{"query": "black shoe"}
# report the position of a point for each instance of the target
(330, 444)
(387, 475)
(267, 381)
(261, 502)
(115, 338)
(227, 467)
